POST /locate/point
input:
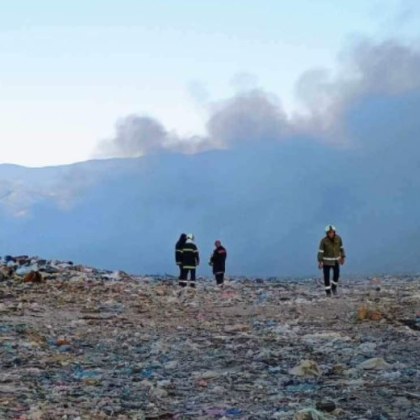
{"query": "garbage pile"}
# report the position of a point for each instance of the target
(82, 343)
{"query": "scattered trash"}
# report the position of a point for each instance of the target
(364, 313)
(412, 324)
(33, 277)
(367, 348)
(26, 269)
(327, 406)
(376, 363)
(78, 342)
(306, 368)
(309, 414)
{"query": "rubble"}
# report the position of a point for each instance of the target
(84, 343)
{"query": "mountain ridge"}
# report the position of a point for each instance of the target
(268, 203)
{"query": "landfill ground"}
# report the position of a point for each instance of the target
(83, 344)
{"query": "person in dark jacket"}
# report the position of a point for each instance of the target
(178, 252)
(190, 261)
(331, 255)
(218, 262)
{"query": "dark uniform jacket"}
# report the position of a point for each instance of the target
(190, 256)
(331, 250)
(218, 260)
(178, 252)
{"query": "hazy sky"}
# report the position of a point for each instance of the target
(70, 70)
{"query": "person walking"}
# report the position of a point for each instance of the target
(218, 262)
(189, 262)
(331, 255)
(178, 252)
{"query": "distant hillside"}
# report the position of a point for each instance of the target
(267, 203)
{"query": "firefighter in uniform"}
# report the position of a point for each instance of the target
(218, 262)
(189, 261)
(330, 256)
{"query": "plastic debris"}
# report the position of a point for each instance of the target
(33, 277)
(86, 343)
(366, 313)
(327, 406)
(376, 363)
(306, 368)
(310, 414)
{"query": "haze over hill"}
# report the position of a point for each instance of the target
(263, 182)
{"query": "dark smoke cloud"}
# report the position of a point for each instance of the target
(140, 136)
(247, 118)
(136, 136)
(366, 70)
(250, 117)
(387, 68)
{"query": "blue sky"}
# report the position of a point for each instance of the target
(70, 70)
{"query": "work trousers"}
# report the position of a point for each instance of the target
(331, 285)
(220, 278)
(183, 281)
